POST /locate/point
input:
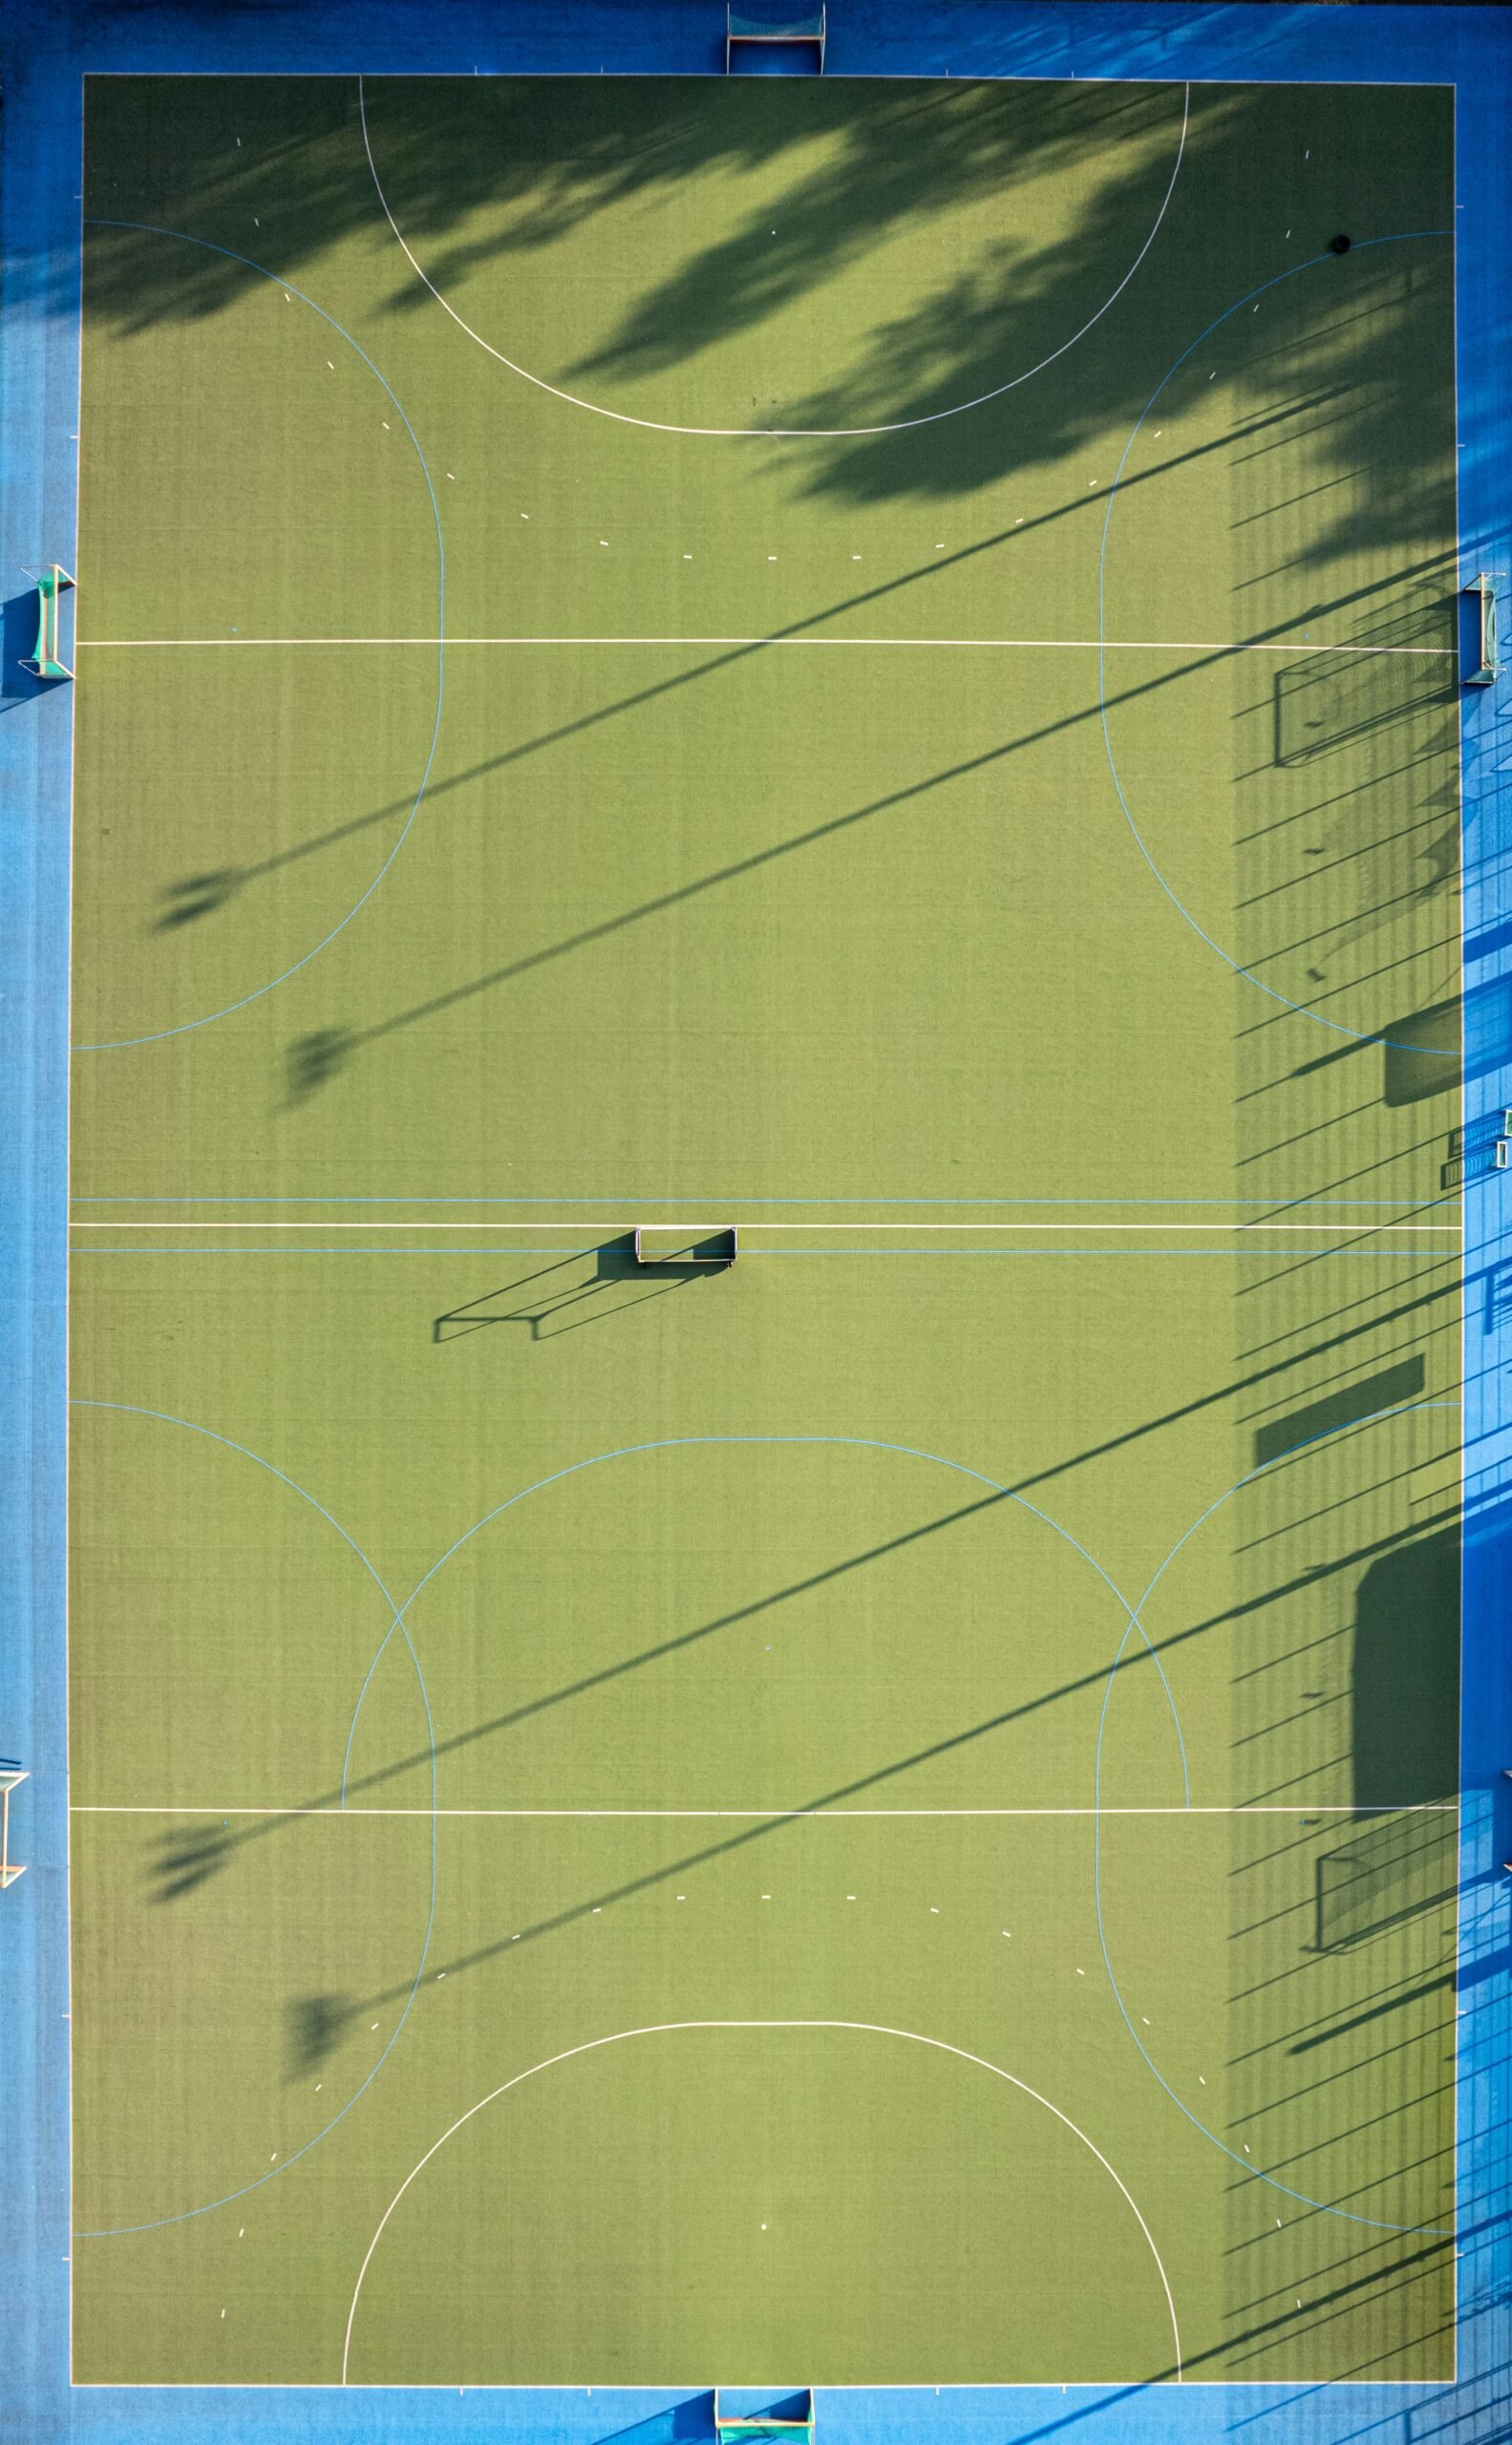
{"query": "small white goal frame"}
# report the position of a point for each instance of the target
(753, 30)
(11, 1774)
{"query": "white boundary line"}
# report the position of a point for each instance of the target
(991, 644)
(66, 1092)
(658, 2029)
(1229, 2385)
(776, 432)
(1457, 2184)
(1237, 1808)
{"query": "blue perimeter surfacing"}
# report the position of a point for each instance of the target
(47, 51)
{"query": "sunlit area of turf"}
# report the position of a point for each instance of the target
(873, 663)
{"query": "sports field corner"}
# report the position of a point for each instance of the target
(757, 1308)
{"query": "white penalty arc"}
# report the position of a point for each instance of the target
(774, 432)
(661, 2029)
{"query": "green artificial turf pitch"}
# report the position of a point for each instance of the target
(934, 1748)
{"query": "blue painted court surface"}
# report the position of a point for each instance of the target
(45, 57)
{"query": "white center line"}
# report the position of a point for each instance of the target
(1238, 1808)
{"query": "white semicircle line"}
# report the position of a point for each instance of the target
(775, 432)
(660, 2028)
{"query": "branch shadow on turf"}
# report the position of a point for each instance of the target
(480, 172)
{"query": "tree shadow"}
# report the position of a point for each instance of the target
(479, 170)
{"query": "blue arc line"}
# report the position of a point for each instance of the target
(1360, 1036)
(848, 1442)
(165, 1417)
(1376, 2223)
(120, 1044)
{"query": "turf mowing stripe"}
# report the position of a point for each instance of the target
(163, 1418)
(121, 1044)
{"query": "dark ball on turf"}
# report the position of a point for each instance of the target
(1340, 245)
